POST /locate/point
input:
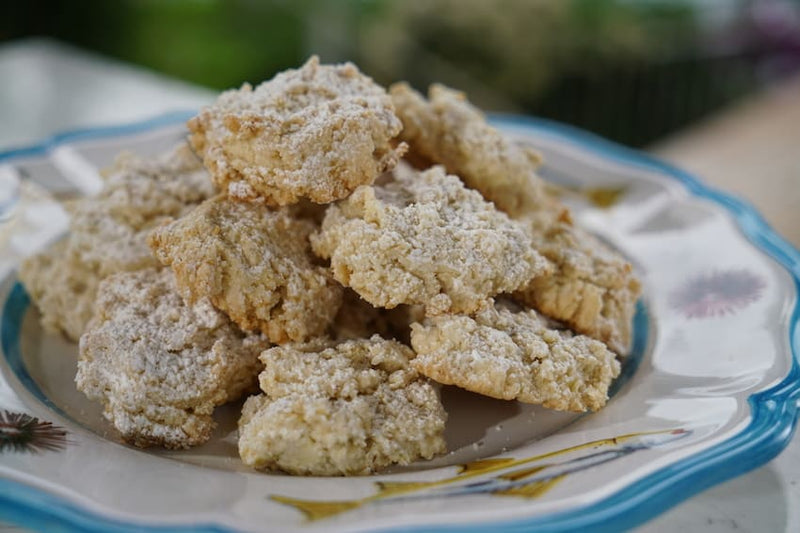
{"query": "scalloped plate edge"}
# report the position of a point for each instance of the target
(774, 410)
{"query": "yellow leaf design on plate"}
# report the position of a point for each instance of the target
(316, 510)
(533, 489)
(485, 465)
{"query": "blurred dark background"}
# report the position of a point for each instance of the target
(630, 70)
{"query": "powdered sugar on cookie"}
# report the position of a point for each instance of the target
(254, 263)
(425, 239)
(160, 366)
(108, 233)
(344, 408)
(316, 132)
(515, 355)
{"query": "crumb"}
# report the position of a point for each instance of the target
(425, 239)
(160, 366)
(254, 263)
(340, 409)
(515, 356)
(316, 132)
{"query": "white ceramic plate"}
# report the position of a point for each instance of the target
(709, 392)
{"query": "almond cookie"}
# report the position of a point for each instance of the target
(425, 239)
(448, 130)
(109, 231)
(593, 289)
(316, 132)
(515, 356)
(340, 409)
(108, 234)
(62, 287)
(160, 366)
(254, 263)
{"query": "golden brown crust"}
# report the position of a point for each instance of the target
(160, 366)
(340, 409)
(254, 263)
(515, 356)
(425, 239)
(316, 132)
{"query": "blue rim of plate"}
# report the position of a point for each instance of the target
(774, 410)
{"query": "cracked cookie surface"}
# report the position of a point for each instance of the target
(108, 233)
(425, 239)
(316, 132)
(448, 130)
(254, 263)
(344, 408)
(515, 355)
(160, 366)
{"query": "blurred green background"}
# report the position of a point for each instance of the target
(631, 70)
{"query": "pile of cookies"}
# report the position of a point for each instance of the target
(335, 251)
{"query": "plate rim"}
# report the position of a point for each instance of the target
(774, 411)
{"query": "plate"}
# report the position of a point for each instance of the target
(709, 392)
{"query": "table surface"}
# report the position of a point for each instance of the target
(751, 149)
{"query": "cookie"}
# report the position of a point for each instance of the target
(160, 366)
(593, 289)
(340, 409)
(316, 132)
(515, 355)
(424, 238)
(446, 129)
(252, 262)
(108, 233)
(62, 287)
